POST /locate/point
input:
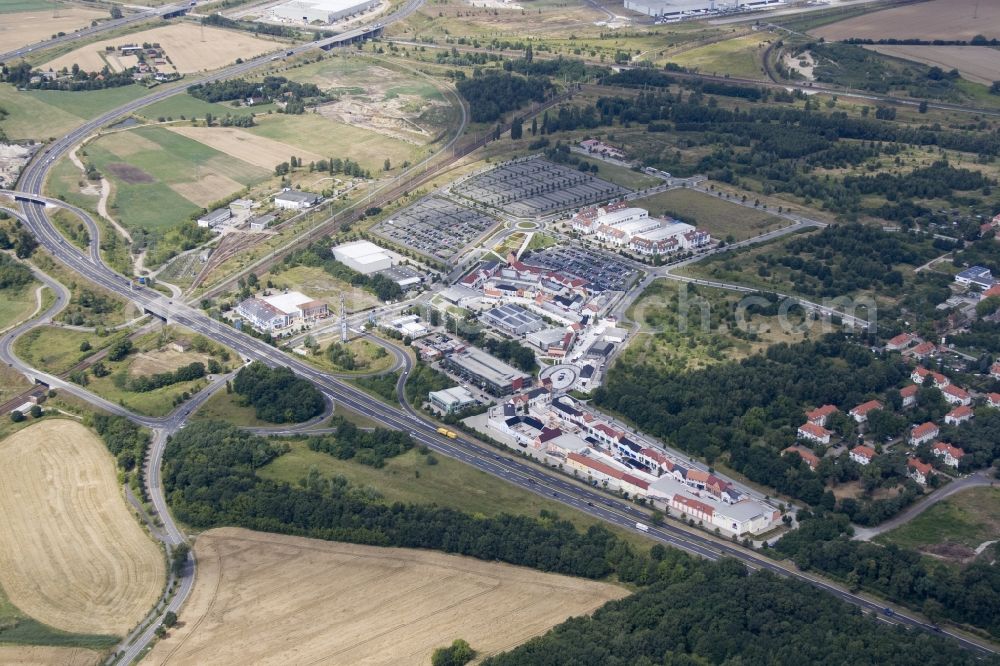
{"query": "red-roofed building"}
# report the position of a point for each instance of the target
(956, 395)
(918, 471)
(995, 371)
(993, 400)
(923, 433)
(821, 415)
(952, 455)
(959, 415)
(992, 292)
(692, 507)
(909, 395)
(814, 433)
(919, 374)
(923, 350)
(697, 478)
(606, 433)
(860, 413)
(810, 458)
(862, 454)
(901, 341)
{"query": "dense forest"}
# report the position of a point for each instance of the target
(277, 394)
(368, 447)
(492, 95)
(701, 613)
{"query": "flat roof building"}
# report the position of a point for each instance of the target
(262, 222)
(451, 400)
(321, 11)
(363, 256)
(295, 199)
(489, 372)
(214, 218)
(404, 276)
(514, 319)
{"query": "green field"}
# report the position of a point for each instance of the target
(227, 407)
(12, 6)
(18, 629)
(408, 478)
(187, 106)
(40, 114)
(968, 519)
(627, 178)
(740, 56)
(155, 159)
(368, 357)
(320, 135)
(718, 217)
(56, 350)
(16, 304)
(320, 285)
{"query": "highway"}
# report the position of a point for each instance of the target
(514, 470)
(90, 31)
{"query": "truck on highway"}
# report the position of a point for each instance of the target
(443, 431)
(642, 527)
(450, 434)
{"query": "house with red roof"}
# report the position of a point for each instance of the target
(952, 455)
(924, 432)
(692, 507)
(821, 415)
(995, 371)
(918, 471)
(909, 395)
(860, 413)
(956, 395)
(901, 341)
(815, 433)
(810, 458)
(920, 373)
(862, 454)
(993, 400)
(922, 351)
(959, 415)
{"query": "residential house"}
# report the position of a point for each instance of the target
(815, 433)
(918, 471)
(821, 415)
(923, 433)
(923, 350)
(955, 395)
(919, 374)
(952, 455)
(993, 400)
(976, 275)
(959, 415)
(901, 341)
(862, 454)
(810, 458)
(860, 413)
(909, 395)
(995, 370)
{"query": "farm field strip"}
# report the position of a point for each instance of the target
(937, 19)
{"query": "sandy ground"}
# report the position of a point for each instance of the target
(795, 64)
(13, 157)
(257, 150)
(47, 656)
(23, 28)
(71, 553)
(182, 43)
(976, 63)
(388, 117)
(163, 360)
(271, 599)
(937, 19)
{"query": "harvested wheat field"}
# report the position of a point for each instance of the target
(22, 28)
(47, 656)
(208, 189)
(937, 19)
(975, 63)
(182, 43)
(257, 150)
(71, 554)
(271, 599)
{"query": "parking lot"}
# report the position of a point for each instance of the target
(536, 187)
(435, 227)
(602, 271)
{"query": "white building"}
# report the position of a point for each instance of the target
(363, 256)
(321, 11)
(295, 200)
(451, 400)
(273, 313)
(216, 218)
(626, 226)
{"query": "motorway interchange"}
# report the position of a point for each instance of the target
(514, 470)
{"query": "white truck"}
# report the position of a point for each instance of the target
(642, 527)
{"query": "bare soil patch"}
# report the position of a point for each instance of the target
(937, 19)
(399, 117)
(257, 150)
(272, 599)
(976, 63)
(71, 554)
(208, 189)
(130, 174)
(190, 47)
(23, 28)
(163, 360)
(12, 655)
